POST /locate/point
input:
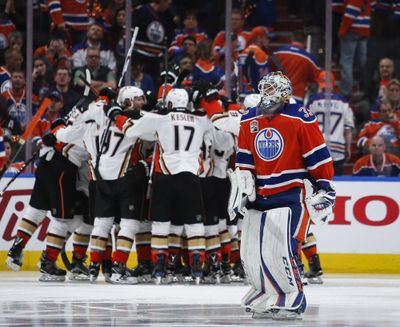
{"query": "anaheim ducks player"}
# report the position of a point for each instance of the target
(115, 195)
(54, 191)
(180, 134)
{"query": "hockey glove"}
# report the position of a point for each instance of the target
(242, 190)
(112, 110)
(49, 140)
(109, 93)
(319, 203)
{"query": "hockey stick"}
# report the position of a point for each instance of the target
(26, 164)
(128, 55)
(105, 133)
(64, 257)
(164, 95)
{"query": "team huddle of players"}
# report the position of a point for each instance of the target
(162, 180)
(94, 174)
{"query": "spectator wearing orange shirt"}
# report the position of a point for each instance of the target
(243, 36)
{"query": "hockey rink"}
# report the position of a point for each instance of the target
(362, 300)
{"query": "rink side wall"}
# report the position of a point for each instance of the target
(362, 237)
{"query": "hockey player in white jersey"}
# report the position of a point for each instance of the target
(341, 121)
(116, 180)
(176, 188)
(54, 191)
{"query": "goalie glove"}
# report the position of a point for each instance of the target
(319, 203)
(242, 190)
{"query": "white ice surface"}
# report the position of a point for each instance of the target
(365, 301)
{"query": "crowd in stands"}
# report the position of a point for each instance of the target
(71, 37)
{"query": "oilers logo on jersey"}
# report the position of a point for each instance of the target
(269, 144)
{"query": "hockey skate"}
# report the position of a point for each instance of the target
(226, 270)
(171, 268)
(196, 269)
(78, 270)
(238, 272)
(159, 269)
(284, 314)
(315, 271)
(50, 271)
(212, 270)
(15, 255)
(143, 271)
(179, 270)
(94, 269)
(122, 275)
(106, 267)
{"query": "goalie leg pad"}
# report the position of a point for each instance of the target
(280, 273)
(250, 248)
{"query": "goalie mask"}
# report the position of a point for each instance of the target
(275, 89)
(131, 97)
(177, 99)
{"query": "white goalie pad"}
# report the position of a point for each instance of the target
(268, 261)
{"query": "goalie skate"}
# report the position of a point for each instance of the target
(282, 314)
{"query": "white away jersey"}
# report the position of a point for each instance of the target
(179, 137)
(341, 118)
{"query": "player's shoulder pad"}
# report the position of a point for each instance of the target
(298, 111)
(249, 114)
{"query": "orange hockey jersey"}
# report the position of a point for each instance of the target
(365, 166)
(283, 150)
(71, 12)
(356, 18)
(301, 67)
(389, 131)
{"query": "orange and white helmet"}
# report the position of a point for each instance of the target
(275, 89)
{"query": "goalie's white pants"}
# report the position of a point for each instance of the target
(267, 256)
